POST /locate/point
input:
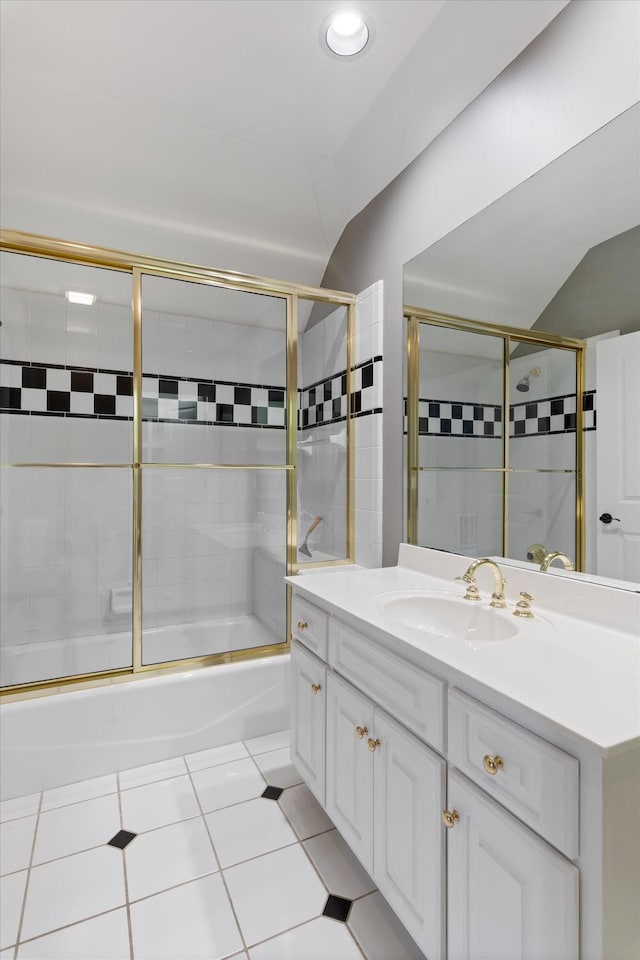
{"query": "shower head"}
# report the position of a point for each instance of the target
(524, 385)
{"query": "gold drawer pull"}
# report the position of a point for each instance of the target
(302, 625)
(450, 818)
(492, 764)
(361, 732)
(372, 744)
(316, 687)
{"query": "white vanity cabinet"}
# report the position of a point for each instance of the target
(385, 791)
(499, 809)
(308, 711)
(509, 894)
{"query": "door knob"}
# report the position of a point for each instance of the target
(607, 518)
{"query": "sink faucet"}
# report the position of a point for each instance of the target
(497, 597)
(556, 555)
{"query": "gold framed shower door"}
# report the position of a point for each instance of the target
(13, 241)
(414, 316)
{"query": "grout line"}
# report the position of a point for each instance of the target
(28, 878)
(75, 923)
(126, 880)
(217, 859)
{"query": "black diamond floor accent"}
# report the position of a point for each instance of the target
(121, 839)
(272, 793)
(337, 908)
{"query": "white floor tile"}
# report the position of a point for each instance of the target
(272, 741)
(19, 807)
(166, 857)
(194, 921)
(7, 954)
(228, 783)
(248, 830)
(340, 870)
(379, 932)
(274, 893)
(80, 826)
(158, 804)
(277, 768)
(101, 938)
(16, 841)
(72, 889)
(75, 792)
(303, 811)
(322, 939)
(216, 755)
(152, 772)
(11, 894)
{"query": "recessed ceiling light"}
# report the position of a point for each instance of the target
(346, 33)
(75, 296)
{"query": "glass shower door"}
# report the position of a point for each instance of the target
(214, 466)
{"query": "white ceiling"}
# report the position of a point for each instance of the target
(226, 120)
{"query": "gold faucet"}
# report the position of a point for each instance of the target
(497, 597)
(556, 555)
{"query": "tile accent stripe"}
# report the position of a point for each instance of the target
(56, 390)
(89, 392)
(325, 401)
(551, 415)
(440, 418)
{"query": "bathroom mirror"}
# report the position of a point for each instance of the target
(558, 254)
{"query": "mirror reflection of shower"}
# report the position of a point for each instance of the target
(524, 385)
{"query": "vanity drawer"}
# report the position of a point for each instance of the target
(309, 625)
(533, 779)
(413, 697)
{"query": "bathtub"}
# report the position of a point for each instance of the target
(70, 736)
(49, 659)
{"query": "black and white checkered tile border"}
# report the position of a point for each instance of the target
(447, 419)
(438, 418)
(551, 415)
(326, 401)
(27, 388)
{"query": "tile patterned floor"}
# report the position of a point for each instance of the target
(220, 854)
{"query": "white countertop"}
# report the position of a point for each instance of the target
(582, 676)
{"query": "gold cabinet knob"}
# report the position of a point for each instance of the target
(316, 687)
(492, 764)
(450, 818)
(361, 732)
(302, 625)
(372, 744)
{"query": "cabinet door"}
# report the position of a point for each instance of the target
(308, 712)
(409, 842)
(509, 893)
(350, 767)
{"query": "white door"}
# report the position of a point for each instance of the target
(408, 839)
(510, 895)
(618, 457)
(308, 712)
(350, 767)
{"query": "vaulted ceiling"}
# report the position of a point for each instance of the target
(227, 120)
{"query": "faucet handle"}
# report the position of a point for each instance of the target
(498, 600)
(523, 606)
(472, 590)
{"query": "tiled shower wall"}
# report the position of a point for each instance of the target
(322, 437)
(66, 534)
(460, 427)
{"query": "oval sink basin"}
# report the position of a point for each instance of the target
(450, 617)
